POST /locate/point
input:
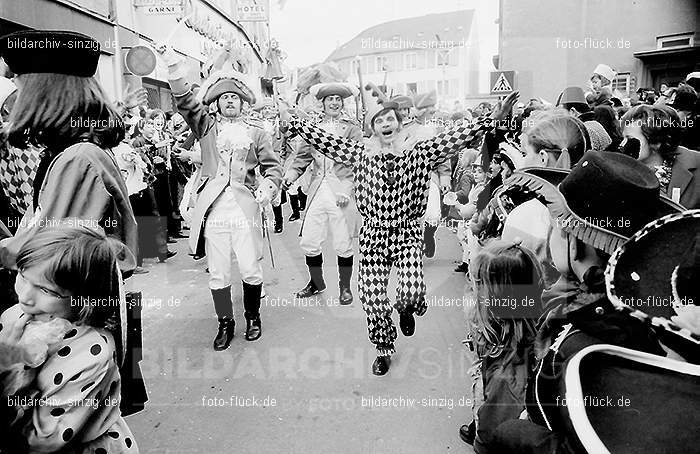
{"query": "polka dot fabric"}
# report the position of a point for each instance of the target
(81, 387)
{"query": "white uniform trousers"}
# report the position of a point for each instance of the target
(230, 236)
(321, 214)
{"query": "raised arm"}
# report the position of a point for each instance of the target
(445, 144)
(341, 150)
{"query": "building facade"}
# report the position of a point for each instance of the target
(552, 44)
(438, 52)
(194, 28)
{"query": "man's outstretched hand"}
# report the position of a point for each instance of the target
(506, 106)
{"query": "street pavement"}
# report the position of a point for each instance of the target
(306, 385)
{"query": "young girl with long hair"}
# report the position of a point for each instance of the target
(66, 389)
(507, 282)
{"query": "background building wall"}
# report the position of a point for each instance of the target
(537, 47)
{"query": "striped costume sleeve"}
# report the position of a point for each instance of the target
(340, 149)
(445, 144)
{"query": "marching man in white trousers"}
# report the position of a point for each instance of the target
(226, 221)
(331, 195)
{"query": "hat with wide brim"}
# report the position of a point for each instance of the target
(50, 51)
(659, 267)
(596, 211)
(403, 101)
(342, 89)
(222, 82)
(572, 95)
(425, 100)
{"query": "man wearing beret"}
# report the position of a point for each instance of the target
(332, 201)
(440, 178)
(226, 217)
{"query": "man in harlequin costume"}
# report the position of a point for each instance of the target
(331, 204)
(392, 173)
(227, 218)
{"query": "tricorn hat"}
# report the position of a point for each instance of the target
(602, 201)
(425, 100)
(404, 102)
(50, 51)
(226, 81)
(342, 89)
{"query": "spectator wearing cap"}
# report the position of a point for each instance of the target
(601, 86)
(405, 104)
(332, 194)
(653, 135)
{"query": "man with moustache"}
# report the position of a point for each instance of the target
(227, 217)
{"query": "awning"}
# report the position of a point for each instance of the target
(674, 54)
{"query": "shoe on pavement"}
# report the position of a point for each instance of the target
(407, 322)
(309, 290)
(140, 270)
(345, 296)
(381, 365)
(279, 228)
(253, 329)
(225, 333)
(468, 433)
(168, 255)
(294, 217)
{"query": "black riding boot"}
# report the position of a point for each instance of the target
(302, 199)
(316, 283)
(224, 311)
(279, 223)
(294, 203)
(345, 274)
(251, 304)
(429, 239)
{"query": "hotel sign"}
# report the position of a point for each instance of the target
(253, 11)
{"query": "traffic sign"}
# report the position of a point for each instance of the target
(502, 82)
(140, 60)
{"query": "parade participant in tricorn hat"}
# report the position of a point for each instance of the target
(332, 202)
(422, 128)
(62, 109)
(392, 175)
(405, 104)
(226, 218)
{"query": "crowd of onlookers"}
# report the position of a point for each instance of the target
(532, 203)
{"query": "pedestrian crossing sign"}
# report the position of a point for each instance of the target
(502, 82)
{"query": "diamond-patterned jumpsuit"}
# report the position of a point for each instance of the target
(391, 190)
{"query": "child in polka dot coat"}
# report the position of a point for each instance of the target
(63, 389)
(392, 173)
